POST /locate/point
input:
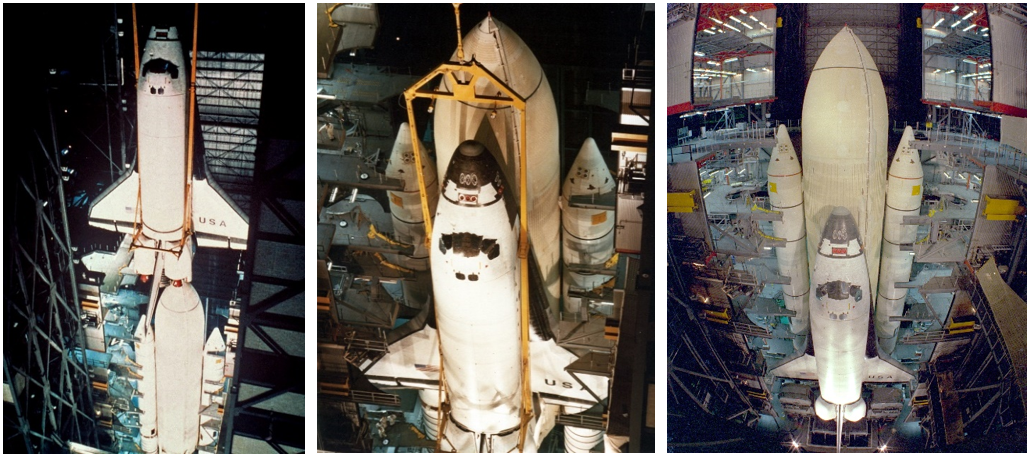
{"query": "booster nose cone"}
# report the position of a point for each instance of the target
(907, 162)
(841, 227)
(588, 175)
(783, 161)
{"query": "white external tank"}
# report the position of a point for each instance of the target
(903, 199)
(161, 115)
(785, 185)
(504, 54)
(179, 356)
(845, 137)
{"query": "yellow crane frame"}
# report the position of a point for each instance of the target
(463, 78)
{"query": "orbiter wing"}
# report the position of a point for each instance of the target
(217, 221)
(878, 367)
(414, 362)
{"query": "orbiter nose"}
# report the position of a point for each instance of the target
(841, 227)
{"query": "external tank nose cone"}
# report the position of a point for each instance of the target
(845, 50)
(841, 227)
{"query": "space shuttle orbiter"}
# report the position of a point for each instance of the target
(842, 220)
(475, 268)
(167, 211)
(154, 198)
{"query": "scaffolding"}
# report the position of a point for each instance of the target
(265, 406)
(46, 383)
(229, 91)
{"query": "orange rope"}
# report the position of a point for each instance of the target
(139, 186)
(136, 47)
(188, 207)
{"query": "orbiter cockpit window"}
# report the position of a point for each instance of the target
(161, 66)
(839, 290)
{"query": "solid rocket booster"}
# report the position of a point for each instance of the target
(785, 182)
(407, 211)
(161, 105)
(903, 199)
(406, 207)
(505, 55)
(476, 292)
(179, 334)
(147, 387)
(840, 312)
(587, 233)
(428, 399)
(214, 365)
(845, 136)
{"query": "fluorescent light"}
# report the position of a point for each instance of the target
(730, 60)
(733, 28)
(710, 32)
(937, 71)
(985, 29)
(765, 69)
(747, 25)
(968, 16)
(938, 22)
(712, 63)
(955, 24)
(763, 25)
(972, 26)
(949, 72)
(716, 20)
(750, 70)
(955, 8)
(969, 61)
(735, 19)
(754, 18)
(742, 10)
(697, 53)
